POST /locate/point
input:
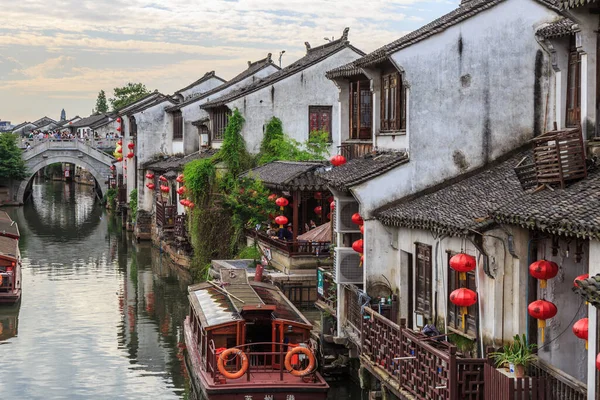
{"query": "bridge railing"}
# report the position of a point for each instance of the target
(96, 143)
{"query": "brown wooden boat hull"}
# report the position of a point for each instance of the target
(10, 298)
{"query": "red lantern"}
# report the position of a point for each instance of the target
(272, 197)
(463, 298)
(191, 205)
(182, 202)
(543, 270)
(119, 158)
(318, 195)
(330, 199)
(150, 175)
(130, 155)
(164, 189)
(162, 178)
(112, 167)
(130, 145)
(119, 120)
(580, 329)
(362, 229)
(281, 220)
(329, 216)
(338, 160)
(357, 219)
(462, 263)
(119, 150)
(120, 143)
(118, 129)
(150, 186)
(580, 278)
(598, 361)
(332, 205)
(318, 210)
(358, 246)
(181, 190)
(542, 310)
(282, 202)
(180, 178)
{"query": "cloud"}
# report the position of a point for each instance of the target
(51, 67)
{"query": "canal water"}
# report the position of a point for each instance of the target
(101, 316)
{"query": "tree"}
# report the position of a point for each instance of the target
(12, 165)
(128, 94)
(101, 103)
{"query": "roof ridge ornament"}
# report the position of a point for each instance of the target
(307, 46)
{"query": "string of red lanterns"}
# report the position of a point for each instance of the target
(164, 189)
(150, 186)
(358, 245)
(282, 219)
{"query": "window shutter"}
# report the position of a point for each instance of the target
(314, 120)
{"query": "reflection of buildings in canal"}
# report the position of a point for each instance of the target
(152, 306)
(9, 321)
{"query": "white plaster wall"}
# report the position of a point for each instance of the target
(562, 348)
(289, 98)
(458, 123)
(201, 87)
(154, 132)
(502, 299)
(192, 112)
(108, 128)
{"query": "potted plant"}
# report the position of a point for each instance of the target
(517, 355)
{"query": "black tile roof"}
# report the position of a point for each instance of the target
(207, 76)
(144, 100)
(589, 289)
(88, 121)
(161, 98)
(362, 169)
(344, 71)
(176, 163)
(44, 121)
(566, 4)
(253, 68)
(466, 10)
(290, 175)
(313, 56)
(66, 122)
(460, 204)
(561, 27)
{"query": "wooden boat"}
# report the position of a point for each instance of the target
(10, 260)
(246, 340)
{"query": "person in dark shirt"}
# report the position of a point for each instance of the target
(285, 233)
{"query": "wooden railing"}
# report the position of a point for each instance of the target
(352, 150)
(165, 215)
(326, 289)
(559, 157)
(559, 385)
(421, 366)
(502, 386)
(297, 248)
(352, 305)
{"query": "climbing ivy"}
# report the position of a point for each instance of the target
(133, 204)
(277, 146)
(233, 151)
(200, 176)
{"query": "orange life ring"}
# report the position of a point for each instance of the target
(223, 359)
(292, 353)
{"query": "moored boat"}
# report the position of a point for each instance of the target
(10, 260)
(246, 340)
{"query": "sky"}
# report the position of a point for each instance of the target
(60, 53)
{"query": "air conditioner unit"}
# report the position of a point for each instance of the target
(344, 209)
(347, 266)
(204, 139)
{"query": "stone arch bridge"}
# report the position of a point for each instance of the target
(73, 151)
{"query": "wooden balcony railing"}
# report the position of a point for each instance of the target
(297, 248)
(502, 386)
(420, 365)
(352, 150)
(165, 215)
(559, 157)
(326, 289)
(352, 305)
(558, 384)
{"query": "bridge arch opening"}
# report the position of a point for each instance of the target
(35, 165)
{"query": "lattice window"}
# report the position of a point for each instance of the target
(219, 122)
(393, 103)
(319, 119)
(177, 125)
(423, 286)
(361, 107)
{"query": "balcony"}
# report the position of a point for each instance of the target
(165, 215)
(356, 148)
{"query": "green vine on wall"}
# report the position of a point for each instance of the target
(133, 204)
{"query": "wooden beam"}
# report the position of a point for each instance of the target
(295, 201)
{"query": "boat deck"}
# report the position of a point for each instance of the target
(8, 227)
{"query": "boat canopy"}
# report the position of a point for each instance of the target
(215, 305)
(8, 227)
(9, 249)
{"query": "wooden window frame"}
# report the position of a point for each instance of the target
(132, 126)
(423, 266)
(177, 125)
(219, 120)
(454, 318)
(320, 110)
(573, 101)
(393, 103)
(361, 131)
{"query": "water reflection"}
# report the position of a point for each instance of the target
(9, 321)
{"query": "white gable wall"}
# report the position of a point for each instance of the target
(289, 99)
(192, 112)
(201, 87)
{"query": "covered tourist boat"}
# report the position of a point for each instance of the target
(10, 260)
(246, 340)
